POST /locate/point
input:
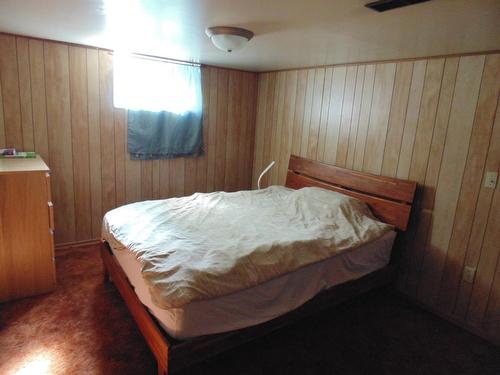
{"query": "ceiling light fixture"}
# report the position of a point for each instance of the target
(229, 38)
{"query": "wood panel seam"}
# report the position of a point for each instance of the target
(389, 119)
(418, 203)
(461, 189)
(462, 177)
(359, 117)
(19, 91)
(421, 261)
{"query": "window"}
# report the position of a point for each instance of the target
(164, 103)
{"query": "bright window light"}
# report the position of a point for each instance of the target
(37, 365)
(156, 85)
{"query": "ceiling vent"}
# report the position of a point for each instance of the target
(384, 5)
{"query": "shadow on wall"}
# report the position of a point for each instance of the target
(422, 274)
(411, 244)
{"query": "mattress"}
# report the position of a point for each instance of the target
(209, 245)
(264, 301)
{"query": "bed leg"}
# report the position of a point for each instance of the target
(106, 275)
(106, 278)
(161, 369)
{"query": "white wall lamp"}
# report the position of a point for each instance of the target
(264, 172)
(228, 38)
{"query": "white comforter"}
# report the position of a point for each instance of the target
(208, 245)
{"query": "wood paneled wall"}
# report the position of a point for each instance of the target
(57, 99)
(434, 121)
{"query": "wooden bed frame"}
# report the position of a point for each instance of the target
(389, 199)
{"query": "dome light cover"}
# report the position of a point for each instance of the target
(227, 38)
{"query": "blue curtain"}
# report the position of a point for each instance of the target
(164, 102)
(161, 135)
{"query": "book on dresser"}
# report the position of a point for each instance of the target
(26, 229)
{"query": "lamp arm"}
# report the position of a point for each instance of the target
(264, 172)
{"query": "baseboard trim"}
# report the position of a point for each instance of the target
(70, 247)
(452, 319)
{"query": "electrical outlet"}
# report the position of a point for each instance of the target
(490, 179)
(469, 273)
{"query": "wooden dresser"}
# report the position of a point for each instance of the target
(26, 229)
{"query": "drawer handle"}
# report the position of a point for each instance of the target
(51, 215)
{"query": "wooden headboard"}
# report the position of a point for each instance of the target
(389, 198)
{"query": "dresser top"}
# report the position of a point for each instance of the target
(16, 165)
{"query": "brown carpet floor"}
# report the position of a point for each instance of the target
(85, 328)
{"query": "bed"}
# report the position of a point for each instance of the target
(183, 334)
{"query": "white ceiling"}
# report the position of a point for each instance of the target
(289, 33)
